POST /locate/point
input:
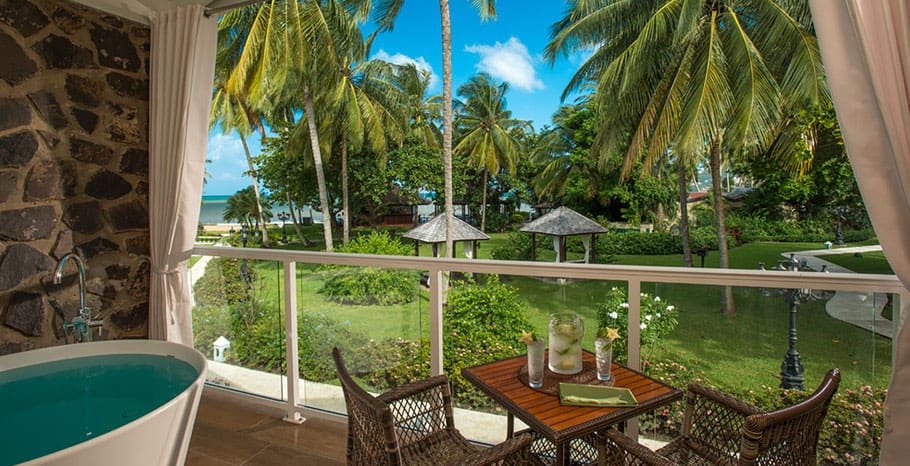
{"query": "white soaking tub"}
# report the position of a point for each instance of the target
(127, 402)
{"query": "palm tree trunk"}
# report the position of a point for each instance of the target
(344, 189)
(727, 306)
(683, 211)
(447, 121)
(260, 220)
(327, 217)
(483, 204)
(292, 208)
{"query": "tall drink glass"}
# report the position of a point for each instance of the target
(535, 363)
(566, 331)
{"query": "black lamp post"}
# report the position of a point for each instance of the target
(702, 252)
(791, 369)
(284, 217)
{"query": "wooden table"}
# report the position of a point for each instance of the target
(560, 424)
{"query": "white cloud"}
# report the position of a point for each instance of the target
(508, 62)
(402, 59)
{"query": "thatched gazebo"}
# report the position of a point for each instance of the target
(560, 223)
(434, 232)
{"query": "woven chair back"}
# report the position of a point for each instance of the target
(788, 436)
(371, 432)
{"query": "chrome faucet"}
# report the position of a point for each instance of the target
(83, 323)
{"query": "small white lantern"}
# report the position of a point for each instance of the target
(828, 244)
(220, 345)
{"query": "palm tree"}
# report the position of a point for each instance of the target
(246, 208)
(692, 76)
(388, 10)
(421, 112)
(485, 127)
(231, 113)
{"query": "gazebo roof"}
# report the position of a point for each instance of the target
(563, 221)
(434, 231)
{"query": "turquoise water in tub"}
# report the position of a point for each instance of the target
(48, 407)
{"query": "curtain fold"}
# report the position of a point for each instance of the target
(182, 69)
(865, 46)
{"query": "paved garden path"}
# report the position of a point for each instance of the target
(863, 309)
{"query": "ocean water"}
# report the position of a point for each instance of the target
(48, 407)
(213, 209)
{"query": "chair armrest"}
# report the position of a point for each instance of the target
(414, 388)
(516, 450)
(718, 397)
(624, 450)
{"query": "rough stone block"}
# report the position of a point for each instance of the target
(84, 217)
(48, 109)
(87, 120)
(115, 49)
(14, 113)
(133, 318)
(117, 272)
(125, 124)
(43, 182)
(107, 185)
(8, 184)
(24, 17)
(59, 52)
(85, 151)
(128, 216)
(15, 65)
(138, 286)
(10, 348)
(97, 246)
(27, 224)
(64, 244)
(68, 21)
(138, 245)
(85, 91)
(135, 161)
(25, 313)
(127, 86)
(17, 149)
(20, 263)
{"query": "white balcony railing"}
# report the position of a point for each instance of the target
(634, 276)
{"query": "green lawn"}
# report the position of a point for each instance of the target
(741, 350)
(867, 262)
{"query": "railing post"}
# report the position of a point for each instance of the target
(634, 343)
(290, 342)
(437, 298)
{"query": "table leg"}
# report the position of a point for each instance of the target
(510, 426)
(562, 453)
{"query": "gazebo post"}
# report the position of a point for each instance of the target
(417, 248)
(533, 246)
(594, 247)
(474, 247)
(562, 249)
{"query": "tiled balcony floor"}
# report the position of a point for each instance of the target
(232, 431)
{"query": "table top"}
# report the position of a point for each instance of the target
(544, 413)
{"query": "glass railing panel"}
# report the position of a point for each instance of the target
(750, 354)
(378, 317)
(238, 323)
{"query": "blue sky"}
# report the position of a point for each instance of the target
(509, 48)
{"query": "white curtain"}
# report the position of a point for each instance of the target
(586, 240)
(182, 69)
(865, 46)
(468, 248)
(556, 247)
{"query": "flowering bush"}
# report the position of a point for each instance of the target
(658, 318)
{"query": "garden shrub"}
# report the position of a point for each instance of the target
(517, 246)
(371, 285)
(209, 323)
(222, 283)
(658, 318)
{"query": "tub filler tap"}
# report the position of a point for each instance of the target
(82, 324)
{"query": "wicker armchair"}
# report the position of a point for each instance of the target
(413, 425)
(719, 429)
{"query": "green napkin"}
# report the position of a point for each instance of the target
(574, 394)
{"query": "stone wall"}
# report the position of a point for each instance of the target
(73, 170)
